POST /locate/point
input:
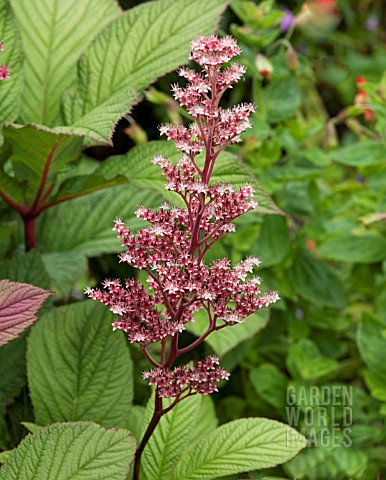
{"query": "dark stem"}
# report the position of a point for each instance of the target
(29, 232)
(150, 429)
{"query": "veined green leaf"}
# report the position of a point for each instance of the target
(10, 89)
(371, 339)
(270, 383)
(315, 281)
(305, 361)
(64, 269)
(240, 446)
(55, 33)
(170, 438)
(78, 369)
(134, 50)
(86, 223)
(34, 150)
(98, 123)
(71, 451)
(354, 248)
(136, 165)
(222, 341)
(361, 154)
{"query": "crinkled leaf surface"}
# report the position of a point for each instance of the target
(78, 368)
(54, 34)
(240, 446)
(10, 89)
(86, 223)
(136, 165)
(170, 438)
(133, 51)
(71, 451)
(35, 151)
(19, 303)
(222, 341)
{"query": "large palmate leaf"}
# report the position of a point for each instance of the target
(19, 303)
(71, 451)
(86, 223)
(78, 369)
(55, 33)
(133, 51)
(10, 90)
(240, 446)
(140, 171)
(36, 153)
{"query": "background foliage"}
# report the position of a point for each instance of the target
(317, 158)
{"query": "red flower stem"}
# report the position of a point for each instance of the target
(158, 412)
(43, 180)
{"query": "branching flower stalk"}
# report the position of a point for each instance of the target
(172, 249)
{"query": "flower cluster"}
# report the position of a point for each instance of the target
(172, 249)
(201, 97)
(4, 70)
(201, 378)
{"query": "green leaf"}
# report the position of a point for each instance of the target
(282, 99)
(206, 422)
(10, 89)
(85, 184)
(361, 154)
(274, 241)
(305, 361)
(136, 165)
(99, 122)
(313, 464)
(55, 33)
(65, 268)
(354, 248)
(271, 384)
(71, 451)
(240, 446)
(224, 340)
(133, 51)
(86, 223)
(316, 282)
(351, 461)
(5, 455)
(371, 339)
(27, 268)
(376, 383)
(170, 438)
(134, 421)
(78, 369)
(31, 427)
(31, 154)
(12, 368)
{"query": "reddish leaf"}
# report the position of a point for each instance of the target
(19, 303)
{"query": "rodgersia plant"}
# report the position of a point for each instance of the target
(4, 69)
(172, 249)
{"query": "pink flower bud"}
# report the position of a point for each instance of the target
(263, 65)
